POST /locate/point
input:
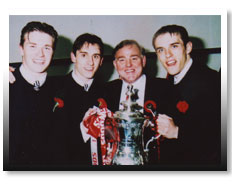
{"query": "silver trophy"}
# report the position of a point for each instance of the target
(130, 124)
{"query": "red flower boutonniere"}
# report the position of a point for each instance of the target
(102, 103)
(149, 106)
(182, 106)
(59, 103)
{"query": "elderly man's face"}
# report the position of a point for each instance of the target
(129, 63)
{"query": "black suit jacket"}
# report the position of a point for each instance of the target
(156, 89)
(71, 149)
(199, 127)
(30, 126)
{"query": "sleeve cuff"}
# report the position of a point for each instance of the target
(84, 133)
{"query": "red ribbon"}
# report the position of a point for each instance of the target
(101, 124)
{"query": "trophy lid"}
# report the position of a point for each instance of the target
(130, 106)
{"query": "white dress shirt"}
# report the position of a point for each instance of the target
(78, 79)
(138, 84)
(180, 76)
(30, 77)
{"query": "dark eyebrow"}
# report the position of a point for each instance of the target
(97, 54)
(47, 45)
(175, 43)
(87, 53)
(32, 42)
(158, 48)
(135, 55)
(83, 52)
(120, 57)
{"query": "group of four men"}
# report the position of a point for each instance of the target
(188, 101)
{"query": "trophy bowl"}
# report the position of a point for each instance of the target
(130, 125)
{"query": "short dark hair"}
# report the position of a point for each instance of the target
(126, 43)
(172, 29)
(90, 39)
(38, 26)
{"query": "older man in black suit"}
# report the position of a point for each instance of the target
(198, 105)
(129, 62)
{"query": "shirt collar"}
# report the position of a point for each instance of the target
(76, 77)
(138, 83)
(30, 77)
(180, 76)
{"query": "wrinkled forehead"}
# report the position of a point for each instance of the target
(130, 49)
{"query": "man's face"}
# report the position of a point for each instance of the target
(87, 60)
(37, 51)
(129, 63)
(172, 53)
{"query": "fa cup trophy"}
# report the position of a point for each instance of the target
(121, 133)
(130, 124)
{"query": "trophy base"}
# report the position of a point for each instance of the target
(127, 157)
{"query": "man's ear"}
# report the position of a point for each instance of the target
(101, 61)
(21, 50)
(144, 59)
(73, 57)
(115, 64)
(189, 47)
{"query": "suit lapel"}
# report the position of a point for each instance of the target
(189, 86)
(113, 93)
(150, 87)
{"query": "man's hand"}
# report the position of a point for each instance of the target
(11, 76)
(166, 127)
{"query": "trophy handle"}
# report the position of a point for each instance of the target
(150, 107)
(151, 140)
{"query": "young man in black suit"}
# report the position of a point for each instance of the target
(74, 94)
(31, 99)
(78, 91)
(198, 106)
